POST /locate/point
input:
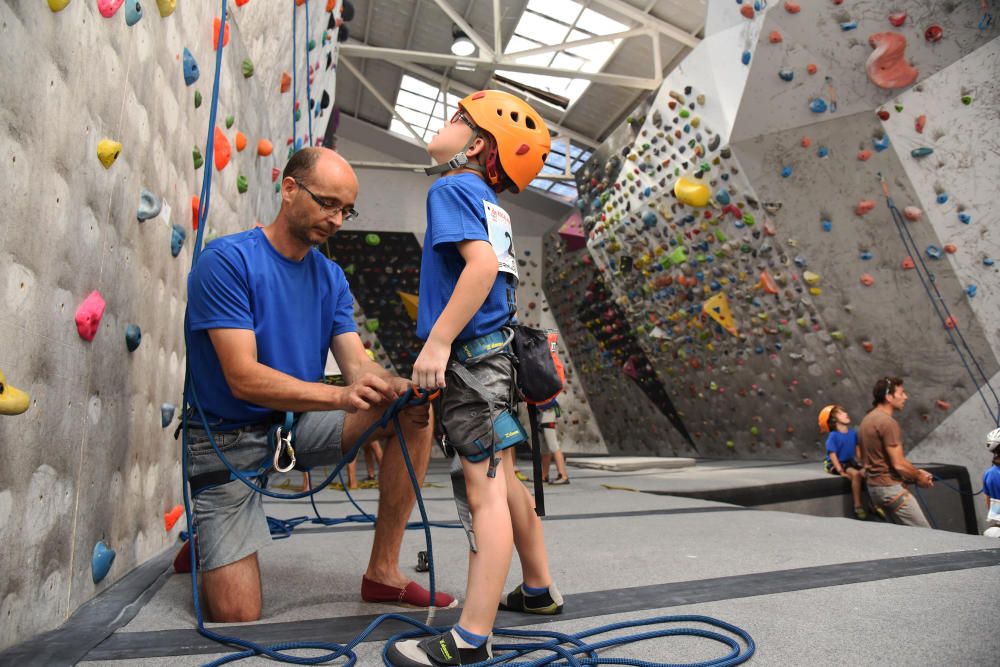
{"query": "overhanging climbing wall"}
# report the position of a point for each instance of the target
(89, 461)
(744, 239)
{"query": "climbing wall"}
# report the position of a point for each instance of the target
(743, 240)
(89, 460)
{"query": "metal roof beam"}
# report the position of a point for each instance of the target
(579, 42)
(644, 18)
(378, 96)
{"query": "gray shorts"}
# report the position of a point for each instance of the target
(230, 516)
(900, 503)
(465, 415)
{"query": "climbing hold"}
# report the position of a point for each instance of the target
(101, 560)
(191, 71)
(410, 303)
(950, 322)
(811, 278)
(919, 123)
(133, 336)
(988, 261)
(817, 105)
(166, 7)
(215, 33)
(222, 150)
(912, 213)
(887, 66)
(837, 335)
(108, 151)
(897, 19)
(286, 82)
(691, 192)
(58, 5)
(868, 346)
(230, 119)
(264, 147)
(170, 518)
(786, 74)
(786, 171)
(881, 143)
(933, 251)
(196, 156)
(745, 58)
(274, 175)
(882, 114)
(108, 7)
(863, 155)
(966, 100)
(864, 206)
(241, 141)
(792, 7)
(372, 325)
(942, 198)
(950, 248)
(149, 206)
(908, 263)
(811, 68)
(806, 142)
(13, 401)
(89, 314)
(717, 307)
(195, 212)
(934, 33)
(922, 151)
(242, 184)
(866, 255)
(373, 239)
(747, 11)
(247, 68)
(166, 414)
(827, 225)
(197, 99)
(823, 151)
(774, 37)
(767, 283)
(971, 291)
(649, 219)
(177, 236)
(848, 25)
(964, 218)
(133, 12)
(867, 280)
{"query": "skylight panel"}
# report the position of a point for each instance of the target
(562, 10)
(598, 24)
(537, 27)
(415, 85)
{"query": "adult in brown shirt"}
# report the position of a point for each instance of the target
(888, 471)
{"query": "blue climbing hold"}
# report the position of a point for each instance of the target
(133, 336)
(964, 218)
(191, 71)
(746, 58)
(988, 261)
(101, 560)
(823, 151)
(848, 25)
(722, 196)
(649, 219)
(800, 261)
(827, 225)
(177, 237)
(971, 291)
(866, 255)
(817, 105)
(933, 252)
(942, 198)
(922, 151)
(881, 144)
(149, 206)
(133, 12)
(786, 172)
(786, 74)
(166, 414)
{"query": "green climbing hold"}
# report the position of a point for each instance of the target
(685, 113)
(247, 67)
(899, 107)
(745, 248)
(373, 239)
(197, 99)
(349, 269)
(372, 325)
(966, 100)
(198, 159)
(749, 220)
(242, 184)
(229, 121)
(277, 187)
(837, 335)
(298, 114)
(754, 431)
(678, 256)
(720, 236)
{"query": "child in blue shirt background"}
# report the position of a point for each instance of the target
(991, 485)
(842, 452)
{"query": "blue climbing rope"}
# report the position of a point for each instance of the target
(295, 83)
(941, 309)
(309, 115)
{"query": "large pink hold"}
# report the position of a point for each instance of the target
(912, 213)
(108, 8)
(572, 233)
(887, 66)
(89, 314)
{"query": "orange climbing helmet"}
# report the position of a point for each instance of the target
(824, 417)
(522, 138)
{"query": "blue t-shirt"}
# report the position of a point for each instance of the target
(842, 444)
(293, 308)
(461, 207)
(991, 481)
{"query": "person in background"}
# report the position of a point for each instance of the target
(842, 452)
(991, 485)
(548, 414)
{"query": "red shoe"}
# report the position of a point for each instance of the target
(413, 595)
(182, 561)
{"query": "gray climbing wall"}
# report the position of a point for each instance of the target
(795, 234)
(89, 460)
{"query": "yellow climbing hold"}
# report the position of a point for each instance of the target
(58, 5)
(717, 308)
(12, 401)
(410, 303)
(166, 7)
(691, 192)
(811, 278)
(107, 152)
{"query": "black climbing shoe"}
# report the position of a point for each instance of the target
(548, 604)
(437, 651)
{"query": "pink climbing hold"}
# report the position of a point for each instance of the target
(864, 206)
(867, 280)
(897, 19)
(572, 233)
(109, 7)
(864, 155)
(89, 314)
(887, 66)
(912, 213)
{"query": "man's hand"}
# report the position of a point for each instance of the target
(428, 370)
(925, 480)
(368, 391)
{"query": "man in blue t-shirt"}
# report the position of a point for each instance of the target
(264, 309)
(991, 485)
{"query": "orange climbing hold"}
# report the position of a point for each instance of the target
(241, 141)
(215, 33)
(331, 5)
(170, 518)
(774, 37)
(286, 82)
(919, 123)
(747, 11)
(767, 283)
(264, 148)
(811, 68)
(806, 142)
(223, 151)
(864, 206)
(864, 155)
(867, 280)
(950, 248)
(792, 7)
(887, 66)
(908, 263)
(951, 322)
(240, 3)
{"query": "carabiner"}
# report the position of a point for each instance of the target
(283, 443)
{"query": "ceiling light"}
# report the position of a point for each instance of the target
(462, 45)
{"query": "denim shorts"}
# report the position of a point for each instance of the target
(229, 516)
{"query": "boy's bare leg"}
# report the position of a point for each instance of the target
(855, 476)
(529, 538)
(491, 521)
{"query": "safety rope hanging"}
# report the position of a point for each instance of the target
(309, 115)
(295, 82)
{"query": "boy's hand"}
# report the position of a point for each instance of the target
(428, 370)
(367, 391)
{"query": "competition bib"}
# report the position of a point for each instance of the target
(498, 225)
(994, 514)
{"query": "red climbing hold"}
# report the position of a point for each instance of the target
(950, 248)
(868, 346)
(195, 210)
(774, 37)
(951, 322)
(274, 174)
(170, 518)
(934, 33)
(811, 68)
(806, 142)
(864, 206)
(792, 7)
(747, 11)
(918, 124)
(222, 150)
(944, 405)
(240, 3)
(897, 19)
(883, 114)
(887, 66)
(867, 280)
(89, 314)
(908, 263)
(286, 82)
(864, 155)
(522, 149)
(215, 33)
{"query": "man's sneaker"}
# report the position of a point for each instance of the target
(549, 604)
(861, 513)
(444, 649)
(560, 480)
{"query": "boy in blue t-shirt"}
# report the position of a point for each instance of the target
(468, 277)
(842, 452)
(991, 485)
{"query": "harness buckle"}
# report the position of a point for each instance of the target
(283, 444)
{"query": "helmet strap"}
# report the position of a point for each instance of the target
(459, 161)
